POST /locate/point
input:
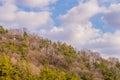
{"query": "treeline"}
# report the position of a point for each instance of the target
(25, 56)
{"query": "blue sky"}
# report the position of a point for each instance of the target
(85, 24)
(61, 7)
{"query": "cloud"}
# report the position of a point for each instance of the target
(7, 12)
(30, 3)
(7, 1)
(75, 24)
(112, 16)
(33, 19)
(77, 29)
(107, 44)
(81, 13)
(108, 1)
(12, 16)
(35, 3)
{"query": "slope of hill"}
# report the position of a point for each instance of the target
(25, 56)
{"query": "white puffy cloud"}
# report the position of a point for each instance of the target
(7, 1)
(77, 29)
(33, 19)
(7, 14)
(30, 3)
(56, 30)
(81, 13)
(81, 34)
(12, 16)
(108, 44)
(35, 3)
(112, 16)
(108, 1)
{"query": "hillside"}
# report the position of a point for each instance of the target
(25, 56)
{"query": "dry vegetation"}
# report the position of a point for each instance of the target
(25, 56)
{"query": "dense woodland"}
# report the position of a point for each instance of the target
(25, 56)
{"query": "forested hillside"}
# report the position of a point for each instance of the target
(25, 56)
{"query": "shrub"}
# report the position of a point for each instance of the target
(23, 48)
(9, 47)
(85, 77)
(7, 70)
(48, 74)
(53, 74)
